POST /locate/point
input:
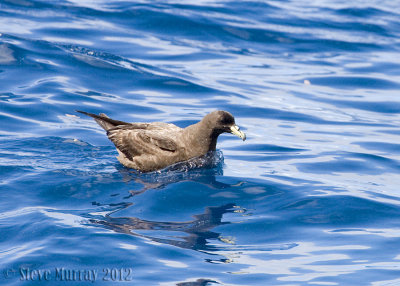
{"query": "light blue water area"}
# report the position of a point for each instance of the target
(310, 198)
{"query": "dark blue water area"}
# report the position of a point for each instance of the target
(310, 198)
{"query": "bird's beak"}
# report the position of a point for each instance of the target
(236, 131)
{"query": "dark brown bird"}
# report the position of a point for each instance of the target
(153, 146)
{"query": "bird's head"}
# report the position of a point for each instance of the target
(222, 121)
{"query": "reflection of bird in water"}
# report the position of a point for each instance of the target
(198, 230)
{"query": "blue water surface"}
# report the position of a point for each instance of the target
(311, 198)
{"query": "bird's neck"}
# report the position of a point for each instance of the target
(201, 137)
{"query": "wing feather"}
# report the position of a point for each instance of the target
(137, 142)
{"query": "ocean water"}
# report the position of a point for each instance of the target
(310, 198)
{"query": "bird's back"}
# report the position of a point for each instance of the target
(149, 147)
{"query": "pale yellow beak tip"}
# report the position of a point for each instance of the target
(236, 131)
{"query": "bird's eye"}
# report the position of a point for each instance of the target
(226, 120)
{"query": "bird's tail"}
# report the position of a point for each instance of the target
(103, 120)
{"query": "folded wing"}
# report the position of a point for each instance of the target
(152, 140)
